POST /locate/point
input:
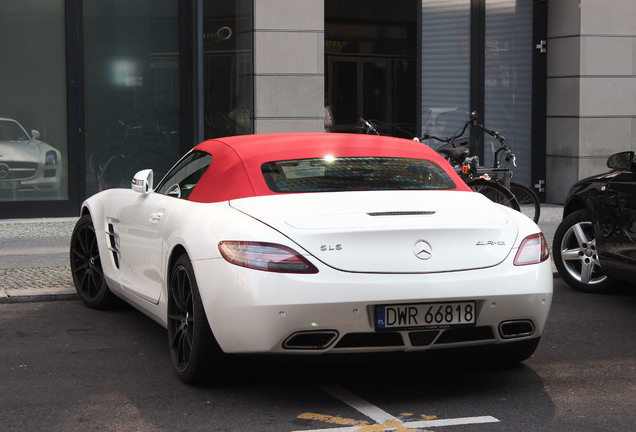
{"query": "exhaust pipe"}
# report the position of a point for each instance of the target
(516, 329)
(311, 340)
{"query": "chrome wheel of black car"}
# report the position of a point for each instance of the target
(192, 345)
(86, 266)
(576, 256)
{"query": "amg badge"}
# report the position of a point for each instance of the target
(490, 243)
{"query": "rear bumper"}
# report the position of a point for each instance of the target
(258, 312)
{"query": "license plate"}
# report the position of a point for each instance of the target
(424, 315)
(9, 184)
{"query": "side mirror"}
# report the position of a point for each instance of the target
(35, 134)
(142, 182)
(621, 161)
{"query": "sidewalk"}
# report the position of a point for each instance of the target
(34, 255)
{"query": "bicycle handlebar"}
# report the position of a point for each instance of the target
(369, 126)
(510, 156)
(472, 122)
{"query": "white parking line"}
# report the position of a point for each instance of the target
(371, 411)
(385, 421)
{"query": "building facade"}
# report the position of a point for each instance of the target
(591, 82)
(98, 89)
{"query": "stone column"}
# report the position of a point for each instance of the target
(289, 66)
(591, 100)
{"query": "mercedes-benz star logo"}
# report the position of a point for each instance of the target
(422, 249)
(4, 171)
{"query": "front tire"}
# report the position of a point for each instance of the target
(575, 254)
(86, 266)
(193, 349)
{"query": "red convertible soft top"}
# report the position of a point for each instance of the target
(235, 171)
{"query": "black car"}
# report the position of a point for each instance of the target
(595, 245)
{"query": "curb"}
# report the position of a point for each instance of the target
(9, 295)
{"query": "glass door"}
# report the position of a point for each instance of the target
(508, 81)
(480, 55)
(446, 67)
(359, 89)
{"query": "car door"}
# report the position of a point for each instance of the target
(142, 220)
(142, 224)
(616, 217)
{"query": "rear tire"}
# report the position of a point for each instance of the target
(195, 354)
(495, 192)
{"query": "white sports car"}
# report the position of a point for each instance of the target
(25, 162)
(315, 244)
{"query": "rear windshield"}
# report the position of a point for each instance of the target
(354, 174)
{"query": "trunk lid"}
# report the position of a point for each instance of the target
(391, 231)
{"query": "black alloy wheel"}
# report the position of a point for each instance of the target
(575, 254)
(193, 349)
(86, 266)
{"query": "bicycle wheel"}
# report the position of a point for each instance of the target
(113, 173)
(528, 201)
(495, 192)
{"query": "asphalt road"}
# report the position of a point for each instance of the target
(64, 367)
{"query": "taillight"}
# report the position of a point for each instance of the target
(533, 250)
(265, 256)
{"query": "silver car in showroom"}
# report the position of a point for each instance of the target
(26, 163)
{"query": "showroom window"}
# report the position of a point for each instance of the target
(33, 132)
(131, 69)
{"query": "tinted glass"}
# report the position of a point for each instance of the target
(184, 177)
(354, 174)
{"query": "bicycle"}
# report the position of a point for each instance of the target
(481, 177)
(460, 155)
(493, 182)
(141, 147)
(528, 200)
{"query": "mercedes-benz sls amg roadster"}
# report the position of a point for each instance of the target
(315, 244)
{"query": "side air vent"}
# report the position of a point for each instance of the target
(402, 213)
(113, 244)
